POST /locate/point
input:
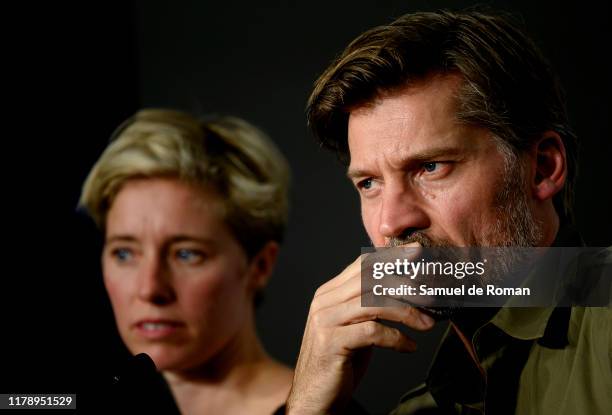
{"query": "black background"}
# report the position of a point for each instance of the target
(76, 71)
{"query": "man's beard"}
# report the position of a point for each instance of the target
(515, 226)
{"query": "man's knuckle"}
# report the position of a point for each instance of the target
(317, 318)
(318, 292)
(322, 339)
(370, 329)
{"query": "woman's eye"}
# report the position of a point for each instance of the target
(430, 166)
(122, 254)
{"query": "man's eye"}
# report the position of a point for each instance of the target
(122, 254)
(430, 166)
(365, 184)
(189, 255)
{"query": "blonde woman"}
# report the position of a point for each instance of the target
(193, 213)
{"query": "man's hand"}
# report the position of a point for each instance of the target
(338, 341)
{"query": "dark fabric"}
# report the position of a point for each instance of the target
(555, 335)
(455, 379)
(353, 408)
(137, 387)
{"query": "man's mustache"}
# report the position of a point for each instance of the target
(419, 237)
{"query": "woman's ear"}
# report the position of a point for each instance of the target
(550, 166)
(262, 265)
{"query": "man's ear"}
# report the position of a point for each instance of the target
(550, 166)
(263, 264)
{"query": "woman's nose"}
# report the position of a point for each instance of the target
(155, 282)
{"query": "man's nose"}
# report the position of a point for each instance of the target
(155, 281)
(401, 212)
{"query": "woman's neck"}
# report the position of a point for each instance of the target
(231, 378)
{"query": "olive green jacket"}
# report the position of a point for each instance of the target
(534, 361)
(549, 360)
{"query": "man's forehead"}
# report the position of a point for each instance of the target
(416, 115)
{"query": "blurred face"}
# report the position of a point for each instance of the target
(177, 278)
(422, 176)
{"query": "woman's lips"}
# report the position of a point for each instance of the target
(155, 329)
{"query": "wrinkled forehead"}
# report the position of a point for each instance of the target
(414, 118)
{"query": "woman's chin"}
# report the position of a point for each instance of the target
(165, 359)
(176, 360)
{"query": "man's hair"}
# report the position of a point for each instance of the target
(226, 154)
(508, 86)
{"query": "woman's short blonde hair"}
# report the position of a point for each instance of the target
(226, 153)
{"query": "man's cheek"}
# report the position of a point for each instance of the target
(454, 218)
(370, 222)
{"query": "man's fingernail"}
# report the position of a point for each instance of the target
(426, 320)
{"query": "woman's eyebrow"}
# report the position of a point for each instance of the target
(190, 238)
(120, 238)
(171, 240)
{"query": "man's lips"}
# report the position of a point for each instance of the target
(410, 245)
(157, 328)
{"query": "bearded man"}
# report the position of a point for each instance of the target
(455, 133)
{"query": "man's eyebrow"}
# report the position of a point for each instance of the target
(434, 153)
(417, 157)
(352, 174)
